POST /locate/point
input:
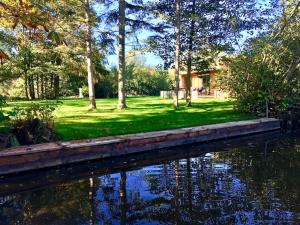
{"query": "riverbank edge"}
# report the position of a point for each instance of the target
(25, 158)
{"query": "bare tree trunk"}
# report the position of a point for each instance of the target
(89, 58)
(177, 55)
(26, 86)
(188, 80)
(121, 69)
(31, 87)
(190, 55)
(56, 87)
(51, 94)
(37, 86)
(42, 87)
(46, 88)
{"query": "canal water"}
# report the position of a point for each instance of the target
(250, 180)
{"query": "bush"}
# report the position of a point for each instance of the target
(265, 73)
(140, 81)
(147, 82)
(34, 124)
(85, 91)
(106, 89)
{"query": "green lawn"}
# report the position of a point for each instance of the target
(73, 121)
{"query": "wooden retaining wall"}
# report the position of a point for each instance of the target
(34, 157)
(15, 183)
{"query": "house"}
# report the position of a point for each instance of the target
(203, 84)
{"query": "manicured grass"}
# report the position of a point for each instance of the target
(73, 121)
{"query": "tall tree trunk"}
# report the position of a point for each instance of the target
(190, 55)
(56, 87)
(42, 87)
(177, 55)
(51, 86)
(121, 69)
(26, 85)
(38, 86)
(31, 87)
(89, 58)
(46, 87)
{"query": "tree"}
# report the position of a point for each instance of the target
(177, 53)
(267, 70)
(121, 55)
(190, 54)
(52, 41)
(130, 16)
(207, 28)
(89, 59)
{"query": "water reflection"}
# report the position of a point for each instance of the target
(256, 181)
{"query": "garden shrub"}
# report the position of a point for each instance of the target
(140, 81)
(147, 82)
(34, 124)
(265, 74)
(106, 89)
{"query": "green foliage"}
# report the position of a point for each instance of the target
(5, 117)
(43, 111)
(35, 123)
(203, 31)
(140, 81)
(261, 74)
(147, 83)
(267, 70)
(70, 83)
(85, 91)
(46, 48)
(106, 88)
(2, 104)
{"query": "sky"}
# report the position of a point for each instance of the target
(150, 58)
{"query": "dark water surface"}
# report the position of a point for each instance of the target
(253, 180)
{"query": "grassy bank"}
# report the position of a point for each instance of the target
(73, 121)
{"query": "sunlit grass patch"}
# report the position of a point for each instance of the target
(74, 121)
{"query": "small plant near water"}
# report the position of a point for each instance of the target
(34, 124)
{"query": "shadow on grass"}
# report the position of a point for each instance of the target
(144, 114)
(148, 121)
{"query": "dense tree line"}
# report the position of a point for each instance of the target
(265, 77)
(55, 47)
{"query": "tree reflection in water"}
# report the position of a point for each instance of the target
(248, 184)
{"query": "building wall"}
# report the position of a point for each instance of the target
(197, 82)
